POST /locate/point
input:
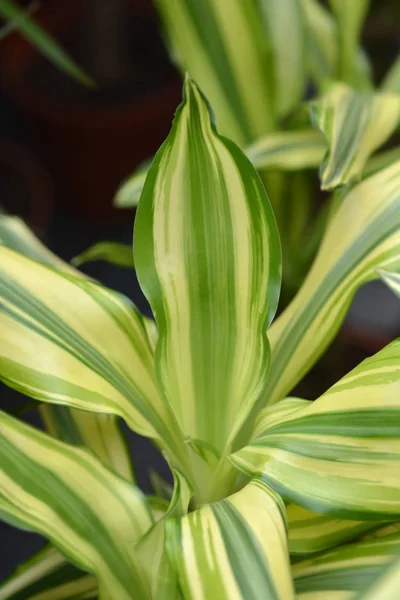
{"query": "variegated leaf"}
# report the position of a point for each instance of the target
(341, 454)
(363, 235)
(234, 549)
(85, 510)
(354, 124)
(118, 254)
(207, 255)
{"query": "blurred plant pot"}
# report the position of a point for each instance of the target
(92, 139)
(26, 186)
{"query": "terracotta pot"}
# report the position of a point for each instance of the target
(89, 148)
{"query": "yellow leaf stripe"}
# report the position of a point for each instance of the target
(354, 124)
(228, 53)
(99, 432)
(234, 549)
(341, 454)
(86, 511)
(206, 239)
(70, 341)
(363, 235)
(349, 568)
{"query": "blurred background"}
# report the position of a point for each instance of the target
(65, 148)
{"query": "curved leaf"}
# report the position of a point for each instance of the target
(341, 454)
(54, 489)
(391, 83)
(349, 568)
(354, 125)
(112, 252)
(207, 256)
(362, 236)
(99, 432)
(70, 341)
(233, 549)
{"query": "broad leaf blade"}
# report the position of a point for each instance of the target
(354, 125)
(99, 432)
(235, 548)
(349, 568)
(341, 454)
(33, 32)
(69, 341)
(310, 532)
(228, 54)
(207, 256)
(362, 236)
(55, 488)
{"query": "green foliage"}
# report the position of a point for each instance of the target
(274, 497)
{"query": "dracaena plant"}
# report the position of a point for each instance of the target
(258, 62)
(274, 497)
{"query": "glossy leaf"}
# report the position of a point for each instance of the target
(341, 454)
(205, 240)
(362, 236)
(54, 489)
(99, 432)
(34, 33)
(229, 55)
(233, 549)
(354, 125)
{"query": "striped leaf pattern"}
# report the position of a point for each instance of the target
(233, 549)
(48, 576)
(354, 124)
(311, 532)
(362, 236)
(99, 432)
(340, 455)
(55, 347)
(349, 569)
(283, 150)
(207, 255)
(229, 55)
(392, 280)
(386, 585)
(85, 510)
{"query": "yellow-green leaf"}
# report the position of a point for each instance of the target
(350, 568)
(85, 510)
(340, 455)
(391, 83)
(118, 254)
(207, 255)
(69, 341)
(99, 432)
(362, 236)
(48, 576)
(354, 124)
(228, 53)
(234, 549)
(350, 15)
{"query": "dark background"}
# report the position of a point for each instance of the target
(64, 150)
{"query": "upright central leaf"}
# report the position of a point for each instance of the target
(207, 255)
